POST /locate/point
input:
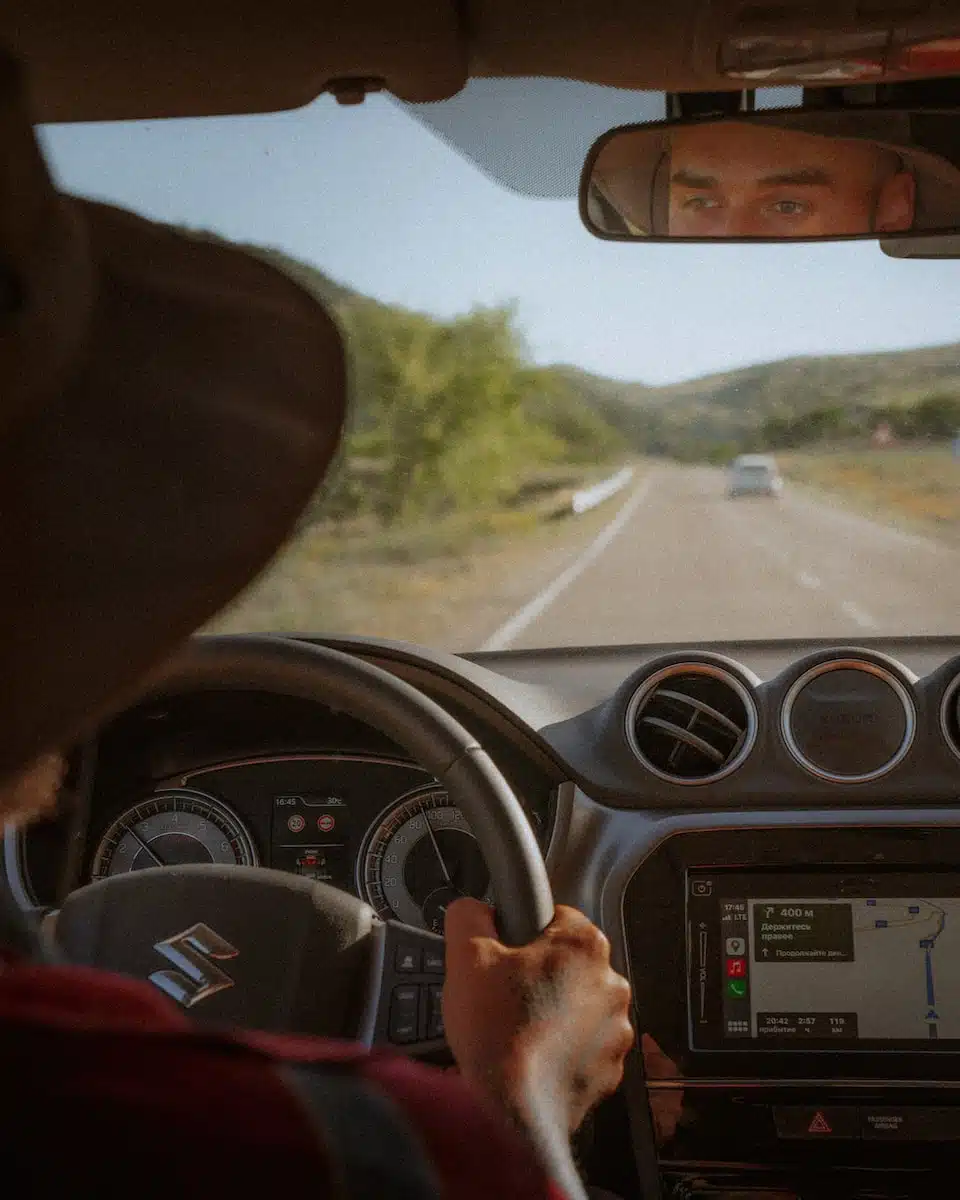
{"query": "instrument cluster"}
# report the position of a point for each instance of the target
(378, 827)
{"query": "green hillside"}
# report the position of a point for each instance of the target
(452, 414)
(791, 402)
(738, 399)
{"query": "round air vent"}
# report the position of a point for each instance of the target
(950, 716)
(691, 723)
(848, 720)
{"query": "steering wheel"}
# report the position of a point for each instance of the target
(268, 950)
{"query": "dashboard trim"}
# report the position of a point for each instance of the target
(324, 756)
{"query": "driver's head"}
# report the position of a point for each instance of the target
(168, 408)
(746, 180)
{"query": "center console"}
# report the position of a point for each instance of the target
(815, 1050)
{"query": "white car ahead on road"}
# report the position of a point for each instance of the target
(754, 475)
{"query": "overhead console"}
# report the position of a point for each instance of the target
(817, 1035)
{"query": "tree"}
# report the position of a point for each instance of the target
(937, 416)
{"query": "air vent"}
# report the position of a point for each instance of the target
(692, 723)
(950, 716)
(848, 720)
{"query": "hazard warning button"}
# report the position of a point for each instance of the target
(798, 1122)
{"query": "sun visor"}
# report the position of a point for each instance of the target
(100, 61)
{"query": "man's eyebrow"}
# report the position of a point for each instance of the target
(801, 177)
(688, 178)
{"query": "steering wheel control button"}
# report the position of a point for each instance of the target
(885, 1124)
(433, 962)
(408, 960)
(435, 1027)
(802, 1123)
(404, 1014)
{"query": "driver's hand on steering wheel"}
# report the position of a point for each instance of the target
(544, 1029)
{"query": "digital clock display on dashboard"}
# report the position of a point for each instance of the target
(823, 960)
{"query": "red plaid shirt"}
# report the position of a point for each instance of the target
(108, 1089)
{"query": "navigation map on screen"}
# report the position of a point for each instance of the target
(843, 960)
(885, 968)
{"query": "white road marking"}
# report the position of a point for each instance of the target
(810, 581)
(510, 630)
(856, 614)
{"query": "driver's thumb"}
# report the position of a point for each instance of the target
(467, 918)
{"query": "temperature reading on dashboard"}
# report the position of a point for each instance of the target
(311, 836)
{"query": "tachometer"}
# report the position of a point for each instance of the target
(418, 858)
(173, 828)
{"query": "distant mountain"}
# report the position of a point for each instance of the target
(797, 385)
(733, 403)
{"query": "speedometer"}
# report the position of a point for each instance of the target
(171, 829)
(418, 858)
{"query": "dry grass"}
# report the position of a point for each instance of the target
(447, 583)
(918, 489)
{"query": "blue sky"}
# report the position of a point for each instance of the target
(379, 202)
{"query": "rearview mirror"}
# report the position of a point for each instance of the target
(782, 175)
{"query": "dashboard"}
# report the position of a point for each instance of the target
(769, 834)
(258, 780)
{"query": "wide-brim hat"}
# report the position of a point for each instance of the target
(168, 407)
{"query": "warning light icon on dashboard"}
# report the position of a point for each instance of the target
(819, 1124)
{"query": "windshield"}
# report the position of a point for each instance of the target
(543, 424)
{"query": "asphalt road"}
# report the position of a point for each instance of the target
(680, 562)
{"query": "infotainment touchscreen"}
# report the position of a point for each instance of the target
(823, 960)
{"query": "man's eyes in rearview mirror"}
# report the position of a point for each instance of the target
(792, 208)
(699, 203)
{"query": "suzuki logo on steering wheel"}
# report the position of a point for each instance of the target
(193, 951)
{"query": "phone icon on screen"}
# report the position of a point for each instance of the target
(737, 988)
